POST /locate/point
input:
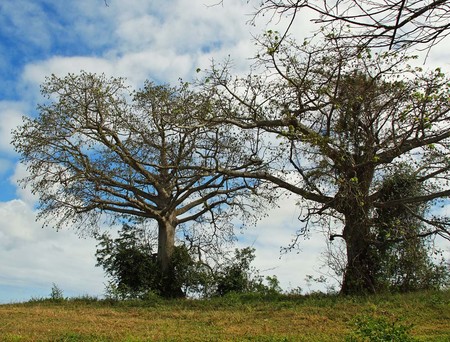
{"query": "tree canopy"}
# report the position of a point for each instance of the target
(99, 148)
(348, 118)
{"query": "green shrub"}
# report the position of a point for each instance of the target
(378, 329)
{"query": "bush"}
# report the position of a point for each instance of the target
(401, 256)
(378, 329)
(133, 270)
(237, 276)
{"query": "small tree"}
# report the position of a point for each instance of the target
(99, 150)
(129, 261)
(235, 276)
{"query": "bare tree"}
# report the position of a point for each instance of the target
(348, 118)
(367, 23)
(98, 148)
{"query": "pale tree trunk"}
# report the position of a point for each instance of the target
(166, 249)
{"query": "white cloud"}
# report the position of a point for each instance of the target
(28, 21)
(136, 33)
(275, 232)
(24, 194)
(156, 41)
(10, 117)
(159, 66)
(34, 257)
(13, 214)
(35, 73)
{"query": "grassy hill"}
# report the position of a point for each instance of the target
(423, 316)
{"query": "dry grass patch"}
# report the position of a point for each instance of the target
(229, 319)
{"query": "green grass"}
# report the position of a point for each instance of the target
(234, 318)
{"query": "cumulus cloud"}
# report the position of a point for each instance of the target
(18, 24)
(24, 194)
(34, 257)
(35, 73)
(156, 41)
(10, 117)
(273, 234)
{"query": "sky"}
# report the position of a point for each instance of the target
(157, 40)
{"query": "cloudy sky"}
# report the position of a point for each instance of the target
(137, 39)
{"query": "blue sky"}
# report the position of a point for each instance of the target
(138, 39)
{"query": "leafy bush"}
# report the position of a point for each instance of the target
(235, 276)
(132, 267)
(378, 329)
(129, 262)
(238, 276)
(401, 252)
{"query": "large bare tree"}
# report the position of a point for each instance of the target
(98, 148)
(348, 119)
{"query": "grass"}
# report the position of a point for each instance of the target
(233, 318)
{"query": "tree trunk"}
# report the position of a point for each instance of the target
(358, 275)
(169, 286)
(355, 205)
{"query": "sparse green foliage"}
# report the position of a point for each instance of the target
(56, 293)
(130, 263)
(401, 250)
(346, 118)
(370, 328)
